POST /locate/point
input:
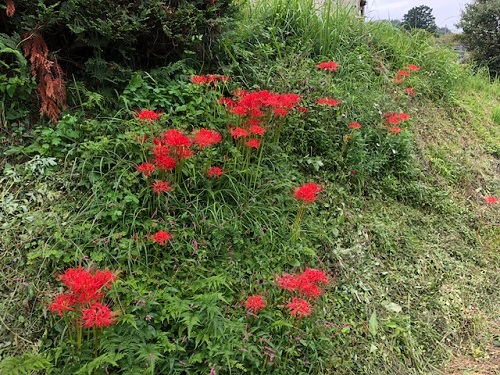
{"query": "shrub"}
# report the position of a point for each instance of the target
(480, 32)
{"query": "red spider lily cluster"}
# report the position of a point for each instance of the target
(393, 119)
(402, 74)
(209, 79)
(255, 303)
(85, 296)
(252, 109)
(328, 65)
(490, 199)
(172, 148)
(307, 285)
(307, 193)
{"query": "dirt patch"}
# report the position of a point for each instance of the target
(488, 361)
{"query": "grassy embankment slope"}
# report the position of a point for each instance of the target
(401, 228)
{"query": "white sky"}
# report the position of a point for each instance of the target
(447, 12)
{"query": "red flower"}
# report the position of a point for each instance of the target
(228, 102)
(299, 307)
(253, 143)
(281, 112)
(329, 65)
(85, 286)
(175, 138)
(146, 168)
(161, 187)
(288, 282)
(490, 199)
(394, 129)
(214, 172)
(147, 115)
(307, 192)
(239, 132)
(315, 276)
(354, 125)
(394, 118)
(206, 137)
(239, 110)
(302, 109)
(255, 303)
(199, 80)
(413, 68)
(410, 92)
(256, 129)
(165, 162)
(97, 315)
(328, 101)
(161, 237)
(62, 302)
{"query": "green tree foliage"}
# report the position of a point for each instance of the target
(102, 39)
(481, 32)
(420, 18)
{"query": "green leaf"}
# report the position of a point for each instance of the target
(373, 324)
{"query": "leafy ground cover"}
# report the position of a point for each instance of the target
(322, 201)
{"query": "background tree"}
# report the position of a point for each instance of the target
(420, 18)
(481, 33)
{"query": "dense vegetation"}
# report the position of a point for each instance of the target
(160, 229)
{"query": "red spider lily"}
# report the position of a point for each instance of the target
(288, 282)
(62, 302)
(145, 168)
(253, 143)
(315, 276)
(299, 307)
(307, 192)
(228, 102)
(214, 172)
(97, 315)
(410, 92)
(490, 199)
(161, 237)
(164, 162)
(238, 133)
(199, 80)
(394, 118)
(161, 187)
(354, 125)
(328, 101)
(255, 303)
(281, 112)
(328, 65)
(394, 130)
(208, 79)
(183, 153)
(305, 283)
(147, 115)
(413, 68)
(206, 137)
(302, 109)
(256, 112)
(239, 110)
(253, 122)
(256, 129)
(85, 286)
(175, 138)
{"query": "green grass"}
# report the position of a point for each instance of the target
(401, 227)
